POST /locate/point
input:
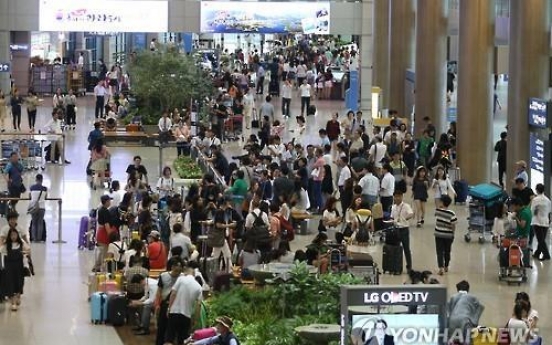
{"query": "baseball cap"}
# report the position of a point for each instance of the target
(105, 198)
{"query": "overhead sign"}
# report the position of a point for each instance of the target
(265, 17)
(19, 47)
(103, 16)
(538, 111)
(4, 67)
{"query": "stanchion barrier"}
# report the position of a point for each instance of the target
(59, 201)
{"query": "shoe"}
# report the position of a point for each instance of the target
(419, 224)
(544, 259)
(13, 307)
(441, 272)
(142, 332)
(446, 269)
(422, 221)
(67, 162)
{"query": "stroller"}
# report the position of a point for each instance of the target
(513, 260)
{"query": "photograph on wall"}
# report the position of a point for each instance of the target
(103, 16)
(265, 17)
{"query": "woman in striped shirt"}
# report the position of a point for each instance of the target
(445, 225)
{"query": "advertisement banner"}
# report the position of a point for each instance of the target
(103, 16)
(265, 17)
(537, 164)
(538, 113)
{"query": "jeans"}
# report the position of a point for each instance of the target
(386, 203)
(542, 248)
(16, 120)
(37, 224)
(182, 148)
(145, 315)
(317, 189)
(71, 116)
(404, 235)
(260, 85)
(369, 200)
(100, 103)
(305, 104)
(179, 328)
(285, 106)
(31, 116)
(443, 247)
(162, 323)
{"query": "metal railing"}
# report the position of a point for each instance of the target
(59, 201)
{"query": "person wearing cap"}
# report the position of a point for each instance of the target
(521, 172)
(157, 251)
(225, 335)
(103, 231)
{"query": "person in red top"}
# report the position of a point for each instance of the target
(104, 230)
(333, 129)
(157, 251)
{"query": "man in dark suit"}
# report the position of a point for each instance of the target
(380, 337)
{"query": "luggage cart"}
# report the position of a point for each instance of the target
(107, 176)
(232, 127)
(486, 201)
(29, 151)
(76, 83)
(513, 258)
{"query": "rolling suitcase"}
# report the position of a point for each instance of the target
(116, 309)
(462, 190)
(43, 239)
(392, 259)
(311, 110)
(209, 267)
(98, 308)
(86, 233)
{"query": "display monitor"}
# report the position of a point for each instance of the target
(538, 113)
(103, 16)
(395, 329)
(265, 17)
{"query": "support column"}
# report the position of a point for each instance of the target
(431, 64)
(366, 50)
(5, 82)
(21, 61)
(528, 72)
(380, 73)
(401, 52)
(475, 97)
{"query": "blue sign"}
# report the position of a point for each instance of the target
(352, 96)
(4, 67)
(19, 47)
(538, 113)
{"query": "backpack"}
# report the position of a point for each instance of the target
(259, 232)
(286, 229)
(363, 235)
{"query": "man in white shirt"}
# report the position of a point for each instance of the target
(145, 305)
(401, 214)
(540, 209)
(287, 90)
(344, 174)
(377, 153)
(209, 141)
(99, 92)
(305, 93)
(165, 125)
(370, 187)
(185, 297)
(260, 79)
(387, 188)
(248, 109)
(80, 62)
(54, 127)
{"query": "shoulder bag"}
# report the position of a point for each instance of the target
(34, 207)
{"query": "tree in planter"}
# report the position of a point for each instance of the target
(166, 80)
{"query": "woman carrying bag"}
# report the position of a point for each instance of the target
(13, 255)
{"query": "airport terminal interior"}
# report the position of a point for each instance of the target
(498, 86)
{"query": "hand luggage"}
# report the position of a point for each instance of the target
(392, 237)
(392, 259)
(311, 110)
(221, 281)
(86, 233)
(365, 269)
(109, 286)
(116, 309)
(4, 204)
(98, 308)
(461, 188)
(204, 333)
(255, 124)
(209, 268)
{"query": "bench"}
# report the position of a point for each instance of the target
(130, 138)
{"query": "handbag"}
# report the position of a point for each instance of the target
(315, 172)
(34, 207)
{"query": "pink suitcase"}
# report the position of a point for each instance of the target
(109, 286)
(204, 333)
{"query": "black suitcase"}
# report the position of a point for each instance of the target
(392, 259)
(4, 204)
(274, 88)
(461, 189)
(311, 110)
(43, 239)
(392, 237)
(116, 310)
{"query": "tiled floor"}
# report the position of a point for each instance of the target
(55, 308)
